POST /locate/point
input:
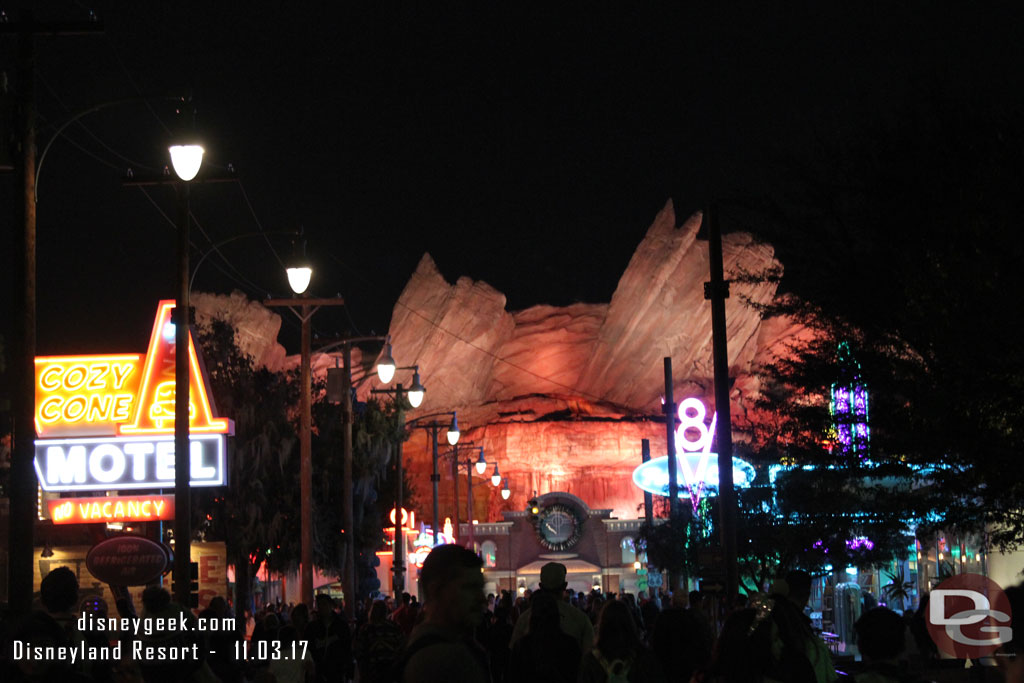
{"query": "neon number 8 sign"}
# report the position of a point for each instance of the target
(695, 422)
(689, 423)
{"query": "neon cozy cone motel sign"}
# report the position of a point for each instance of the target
(106, 422)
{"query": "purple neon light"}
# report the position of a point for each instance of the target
(860, 543)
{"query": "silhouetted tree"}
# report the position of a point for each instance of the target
(905, 243)
(257, 513)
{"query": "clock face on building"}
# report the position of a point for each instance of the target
(558, 527)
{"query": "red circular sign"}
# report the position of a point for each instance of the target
(968, 616)
(128, 560)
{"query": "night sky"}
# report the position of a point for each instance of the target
(527, 148)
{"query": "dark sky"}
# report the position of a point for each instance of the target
(527, 148)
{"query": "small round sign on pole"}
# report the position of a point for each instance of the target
(128, 560)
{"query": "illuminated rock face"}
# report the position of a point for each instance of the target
(561, 397)
(256, 330)
(256, 327)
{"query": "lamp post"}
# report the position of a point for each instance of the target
(453, 438)
(304, 307)
(187, 160)
(480, 465)
(385, 367)
(398, 550)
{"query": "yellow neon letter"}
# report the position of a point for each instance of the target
(121, 372)
(49, 410)
(47, 381)
(122, 408)
(98, 376)
(99, 408)
(70, 413)
(74, 377)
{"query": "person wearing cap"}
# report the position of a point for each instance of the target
(572, 621)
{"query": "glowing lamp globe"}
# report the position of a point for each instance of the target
(299, 277)
(481, 464)
(496, 478)
(505, 491)
(187, 160)
(416, 391)
(386, 365)
(453, 431)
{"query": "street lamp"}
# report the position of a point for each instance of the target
(347, 418)
(480, 466)
(386, 364)
(505, 490)
(298, 278)
(453, 438)
(398, 549)
(495, 477)
(304, 307)
(416, 392)
(187, 160)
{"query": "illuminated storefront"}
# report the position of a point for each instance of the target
(596, 549)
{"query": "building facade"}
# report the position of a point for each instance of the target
(596, 548)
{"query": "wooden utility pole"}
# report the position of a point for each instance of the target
(717, 291)
(304, 307)
(23, 481)
(181, 576)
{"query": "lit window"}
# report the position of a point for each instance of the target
(489, 552)
(628, 550)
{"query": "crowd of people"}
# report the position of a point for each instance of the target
(459, 634)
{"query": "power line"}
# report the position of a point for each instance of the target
(253, 289)
(135, 87)
(245, 195)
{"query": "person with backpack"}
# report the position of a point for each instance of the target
(378, 645)
(572, 621)
(619, 656)
(545, 654)
(330, 642)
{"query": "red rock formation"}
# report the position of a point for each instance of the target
(560, 397)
